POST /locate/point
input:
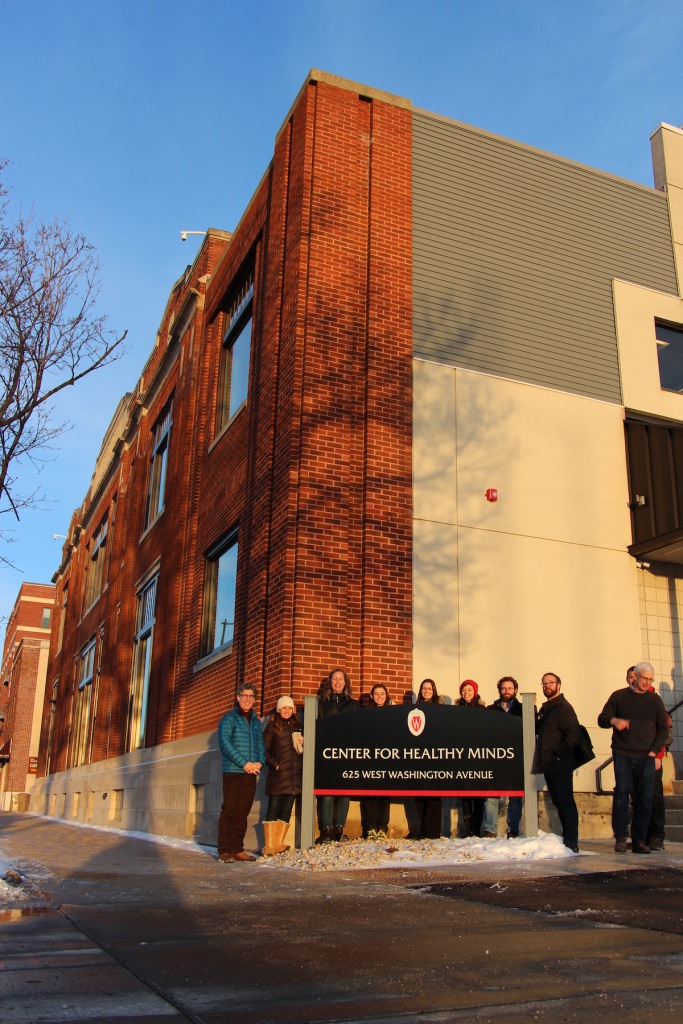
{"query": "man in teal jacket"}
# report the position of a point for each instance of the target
(243, 753)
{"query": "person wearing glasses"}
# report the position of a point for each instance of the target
(557, 735)
(243, 754)
(637, 717)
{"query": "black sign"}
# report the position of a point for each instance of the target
(430, 750)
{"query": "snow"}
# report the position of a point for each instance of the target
(427, 853)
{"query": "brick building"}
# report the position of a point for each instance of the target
(22, 691)
(404, 419)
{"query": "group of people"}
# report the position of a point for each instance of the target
(640, 734)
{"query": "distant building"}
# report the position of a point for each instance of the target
(22, 692)
(419, 415)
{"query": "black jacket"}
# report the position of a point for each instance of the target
(557, 733)
(649, 728)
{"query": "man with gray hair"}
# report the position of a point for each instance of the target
(637, 717)
(243, 754)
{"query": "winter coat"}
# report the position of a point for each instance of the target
(557, 733)
(476, 703)
(286, 766)
(649, 729)
(240, 740)
(336, 705)
(515, 707)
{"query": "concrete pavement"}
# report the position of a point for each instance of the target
(112, 929)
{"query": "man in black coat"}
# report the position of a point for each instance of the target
(557, 734)
(637, 717)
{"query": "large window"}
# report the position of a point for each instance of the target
(84, 707)
(233, 370)
(142, 663)
(159, 465)
(670, 356)
(98, 552)
(218, 620)
(62, 617)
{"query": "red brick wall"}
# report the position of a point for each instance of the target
(315, 469)
(325, 534)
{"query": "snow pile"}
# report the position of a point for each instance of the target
(407, 854)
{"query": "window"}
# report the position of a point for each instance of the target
(62, 619)
(83, 711)
(233, 371)
(95, 579)
(53, 712)
(46, 618)
(218, 619)
(159, 465)
(142, 663)
(670, 356)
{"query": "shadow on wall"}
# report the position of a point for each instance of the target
(450, 459)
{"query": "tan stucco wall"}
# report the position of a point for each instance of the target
(540, 579)
(667, 161)
(635, 310)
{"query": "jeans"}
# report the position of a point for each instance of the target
(514, 813)
(280, 807)
(332, 810)
(239, 790)
(561, 788)
(635, 778)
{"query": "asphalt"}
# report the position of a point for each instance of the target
(109, 928)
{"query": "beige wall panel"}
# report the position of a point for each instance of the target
(540, 579)
(557, 461)
(635, 310)
(528, 606)
(434, 470)
(436, 638)
(667, 160)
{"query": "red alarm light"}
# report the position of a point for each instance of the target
(491, 494)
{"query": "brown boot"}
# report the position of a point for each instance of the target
(270, 830)
(280, 835)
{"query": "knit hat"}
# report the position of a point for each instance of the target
(469, 682)
(285, 702)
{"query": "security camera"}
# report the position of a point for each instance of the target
(183, 236)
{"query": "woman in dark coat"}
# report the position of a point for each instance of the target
(428, 807)
(334, 698)
(284, 756)
(375, 810)
(472, 806)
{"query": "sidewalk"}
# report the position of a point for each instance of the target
(108, 927)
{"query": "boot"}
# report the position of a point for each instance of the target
(338, 834)
(270, 830)
(283, 829)
(326, 835)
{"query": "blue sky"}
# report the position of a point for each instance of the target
(134, 120)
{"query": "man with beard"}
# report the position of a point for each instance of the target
(508, 703)
(557, 734)
(637, 717)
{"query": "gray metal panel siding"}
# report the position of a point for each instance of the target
(514, 251)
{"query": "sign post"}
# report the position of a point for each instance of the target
(307, 798)
(529, 741)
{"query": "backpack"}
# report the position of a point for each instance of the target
(583, 751)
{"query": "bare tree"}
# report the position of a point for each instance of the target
(50, 337)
